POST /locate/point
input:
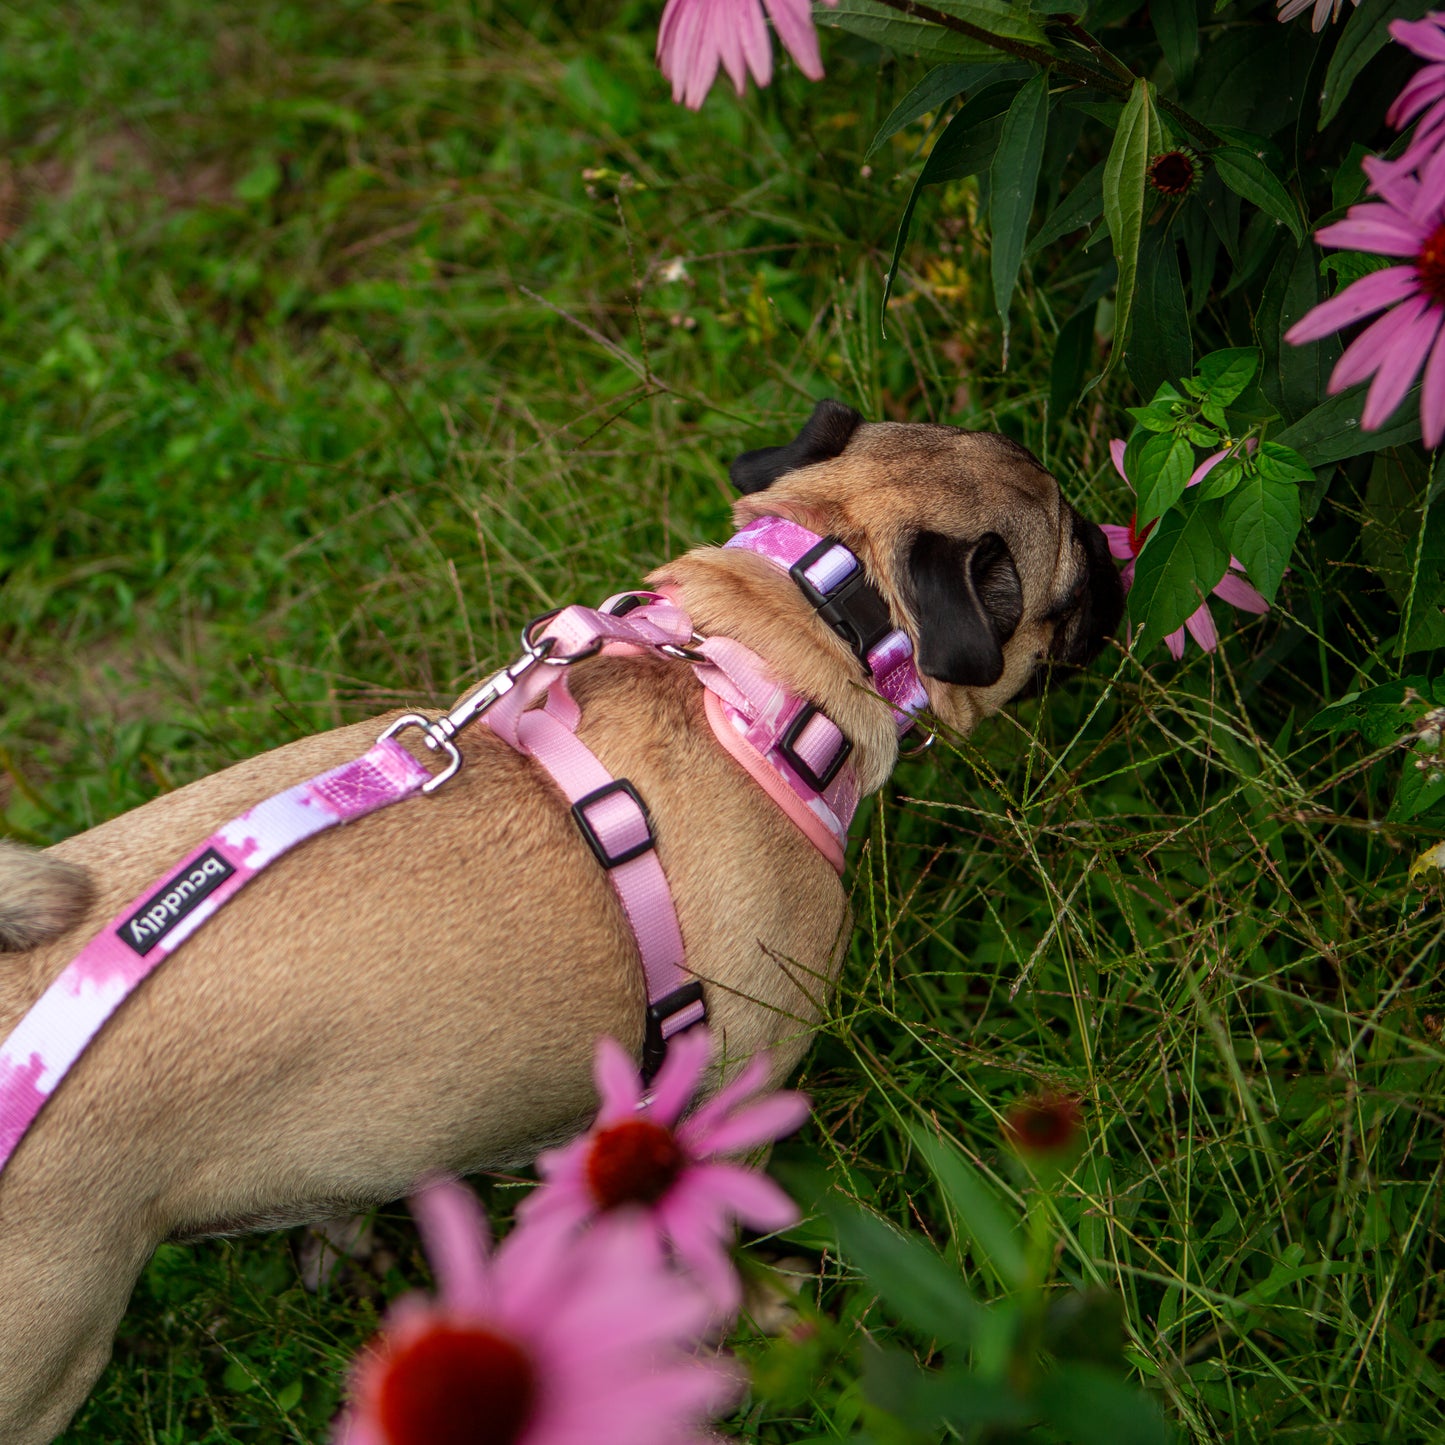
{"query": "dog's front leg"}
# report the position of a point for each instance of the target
(66, 1275)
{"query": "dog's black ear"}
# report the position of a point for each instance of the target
(824, 435)
(968, 601)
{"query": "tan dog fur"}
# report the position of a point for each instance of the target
(420, 991)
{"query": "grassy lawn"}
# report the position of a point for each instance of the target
(339, 337)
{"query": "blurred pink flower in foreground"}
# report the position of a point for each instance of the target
(1426, 88)
(1326, 11)
(697, 35)
(542, 1342)
(1126, 542)
(1408, 221)
(637, 1158)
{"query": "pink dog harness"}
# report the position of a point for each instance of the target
(794, 751)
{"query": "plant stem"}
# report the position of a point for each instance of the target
(1099, 53)
(1115, 77)
(1084, 74)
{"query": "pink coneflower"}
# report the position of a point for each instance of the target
(1407, 221)
(1125, 544)
(543, 1342)
(1175, 173)
(1326, 11)
(697, 35)
(638, 1158)
(1426, 88)
(1043, 1125)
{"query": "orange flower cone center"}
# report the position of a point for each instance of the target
(457, 1385)
(635, 1162)
(1173, 173)
(1430, 264)
(1136, 537)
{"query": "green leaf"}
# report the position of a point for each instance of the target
(1072, 352)
(1176, 23)
(1081, 206)
(1013, 179)
(1221, 480)
(1366, 32)
(1160, 345)
(1157, 416)
(1162, 475)
(288, 1397)
(1226, 374)
(909, 35)
(1348, 267)
(980, 1216)
(1332, 431)
(1294, 377)
(921, 1288)
(1124, 186)
(1180, 563)
(1248, 176)
(1282, 464)
(1405, 544)
(973, 1405)
(924, 1398)
(998, 17)
(936, 88)
(239, 1376)
(1090, 1406)
(965, 148)
(1421, 788)
(261, 182)
(1382, 715)
(1261, 522)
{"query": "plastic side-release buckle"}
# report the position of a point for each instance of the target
(852, 607)
(605, 825)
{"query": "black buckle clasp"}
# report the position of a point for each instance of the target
(787, 746)
(854, 609)
(594, 839)
(654, 1046)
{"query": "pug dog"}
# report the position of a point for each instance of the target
(420, 992)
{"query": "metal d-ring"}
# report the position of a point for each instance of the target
(542, 651)
(921, 748)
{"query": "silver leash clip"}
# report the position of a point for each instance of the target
(438, 734)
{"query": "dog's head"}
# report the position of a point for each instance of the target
(981, 560)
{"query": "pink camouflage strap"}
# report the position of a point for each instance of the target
(796, 753)
(71, 1012)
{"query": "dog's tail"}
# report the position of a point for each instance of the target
(41, 897)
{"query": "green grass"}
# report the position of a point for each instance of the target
(338, 339)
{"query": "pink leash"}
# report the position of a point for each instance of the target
(68, 1015)
(796, 753)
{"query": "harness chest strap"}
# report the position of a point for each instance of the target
(795, 752)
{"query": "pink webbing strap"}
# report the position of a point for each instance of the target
(71, 1012)
(834, 572)
(751, 714)
(611, 816)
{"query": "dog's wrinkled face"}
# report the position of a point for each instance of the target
(994, 574)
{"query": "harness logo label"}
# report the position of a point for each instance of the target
(174, 901)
